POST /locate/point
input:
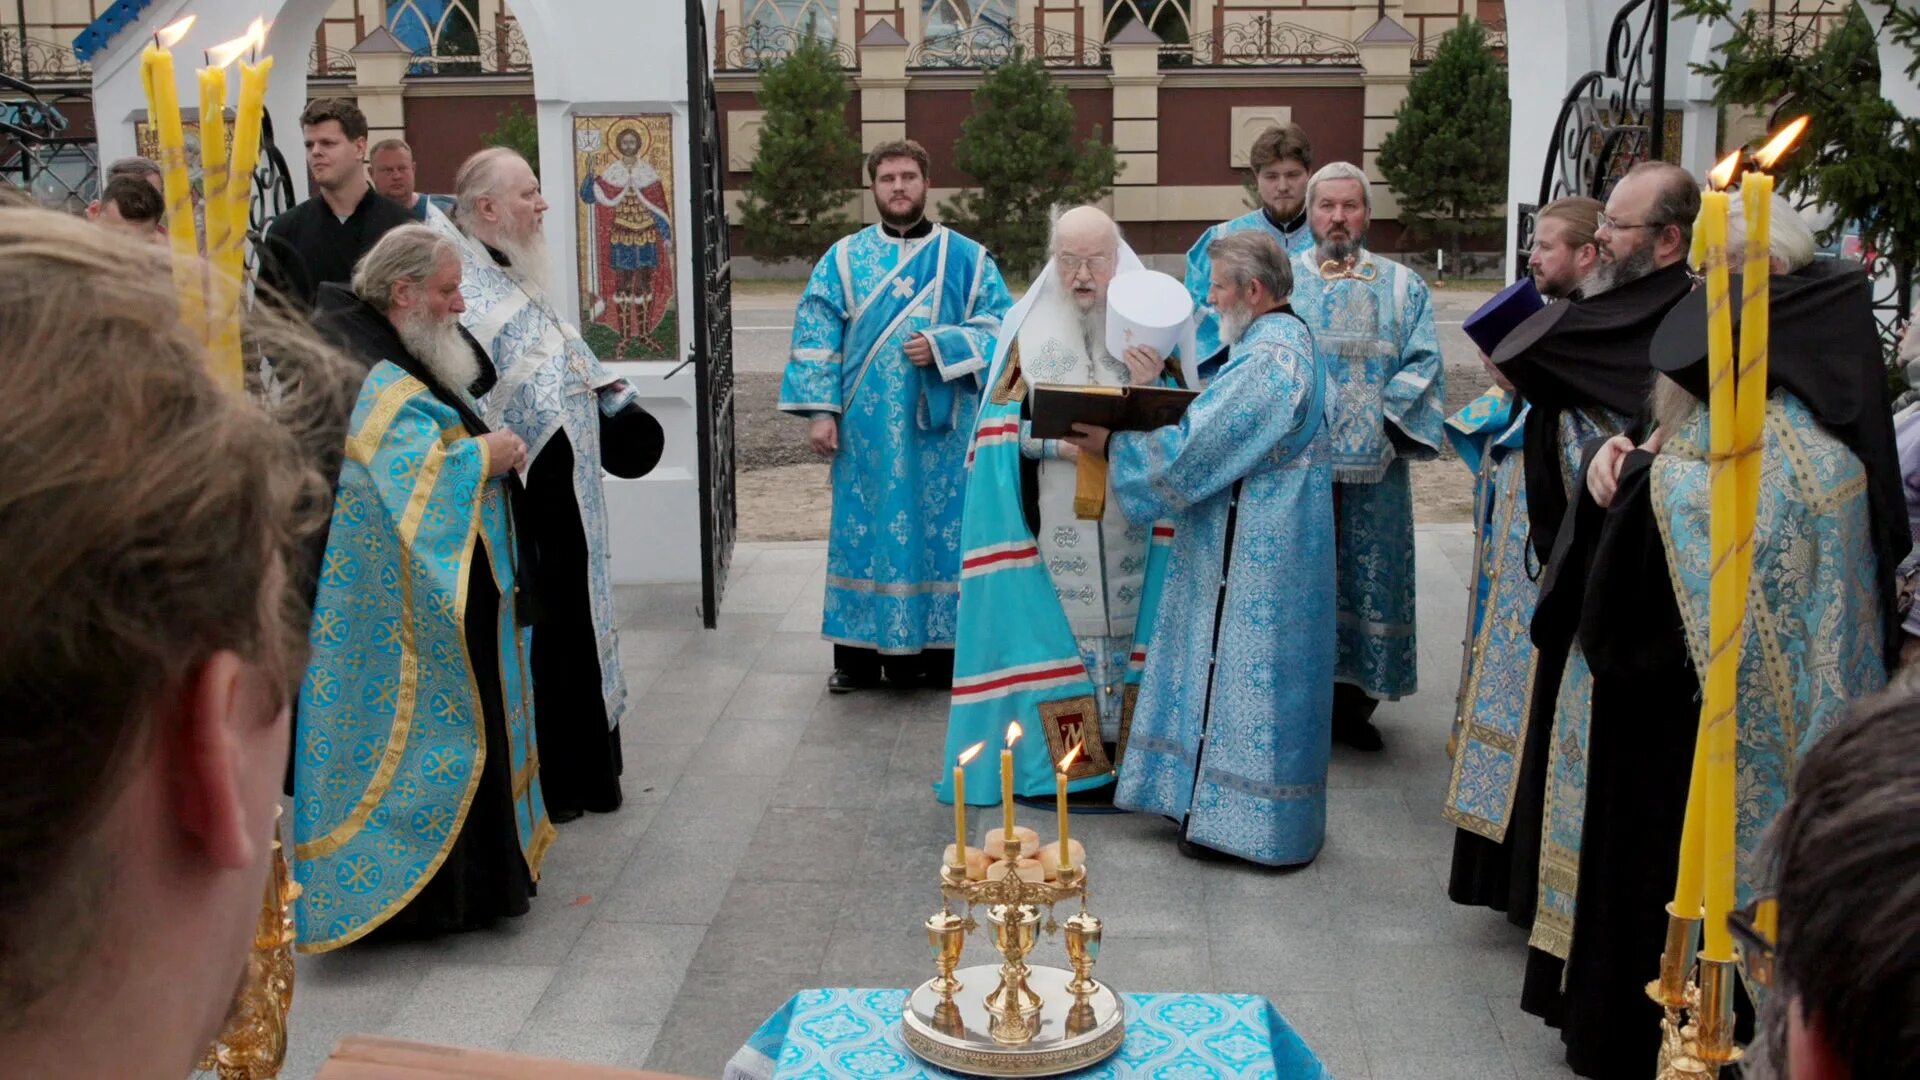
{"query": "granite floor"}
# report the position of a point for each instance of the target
(776, 838)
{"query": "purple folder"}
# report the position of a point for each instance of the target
(1497, 317)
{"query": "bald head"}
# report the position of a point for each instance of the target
(1648, 225)
(1086, 251)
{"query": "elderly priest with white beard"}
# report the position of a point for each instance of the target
(1231, 739)
(576, 417)
(1055, 608)
(429, 667)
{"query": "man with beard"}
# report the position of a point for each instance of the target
(431, 669)
(1043, 589)
(153, 643)
(1281, 158)
(575, 417)
(889, 342)
(1493, 796)
(1372, 326)
(1231, 734)
(1830, 521)
(322, 239)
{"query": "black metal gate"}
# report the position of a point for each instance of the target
(39, 152)
(712, 319)
(1611, 120)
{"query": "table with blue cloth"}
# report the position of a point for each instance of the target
(831, 1034)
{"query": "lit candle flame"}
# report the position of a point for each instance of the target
(1778, 146)
(227, 52)
(1072, 756)
(972, 752)
(1014, 732)
(169, 36)
(1722, 175)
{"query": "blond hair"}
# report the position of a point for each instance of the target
(148, 520)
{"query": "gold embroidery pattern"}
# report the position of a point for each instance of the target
(1075, 720)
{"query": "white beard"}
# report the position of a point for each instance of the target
(442, 349)
(531, 263)
(1093, 323)
(1234, 323)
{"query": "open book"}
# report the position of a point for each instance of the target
(1056, 408)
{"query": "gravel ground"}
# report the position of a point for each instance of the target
(783, 487)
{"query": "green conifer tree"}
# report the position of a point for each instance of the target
(519, 131)
(808, 159)
(1018, 147)
(1446, 157)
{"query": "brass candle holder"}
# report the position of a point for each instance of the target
(1696, 996)
(1013, 1018)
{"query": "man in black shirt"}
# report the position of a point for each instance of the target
(320, 240)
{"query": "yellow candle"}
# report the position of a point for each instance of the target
(960, 803)
(1060, 802)
(1006, 781)
(1725, 602)
(163, 119)
(246, 144)
(223, 327)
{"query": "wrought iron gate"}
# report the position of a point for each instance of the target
(39, 152)
(1610, 120)
(712, 319)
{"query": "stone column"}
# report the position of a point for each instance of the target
(1386, 55)
(882, 82)
(1135, 77)
(380, 64)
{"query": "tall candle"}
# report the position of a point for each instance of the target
(1006, 783)
(163, 119)
(223, 325)
(1060, 802)
(960, 803)
(1725, 601)
(246, 143)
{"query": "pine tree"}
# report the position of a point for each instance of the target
(1446, 157)
(518, 130)
(1018, 147)
(808, 159)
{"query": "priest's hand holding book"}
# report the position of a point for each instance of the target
(1089, 439)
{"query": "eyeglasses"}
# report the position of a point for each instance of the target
(1098, 264)
(1611, 225)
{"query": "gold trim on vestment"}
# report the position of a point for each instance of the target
(1011, 383)
(1128, 699)
(373, 430)
(1093, 754)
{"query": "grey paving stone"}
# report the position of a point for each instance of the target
(618, 974)
(810, 559)
(713, 678)
(1431, 1036)
(712, 1017)
(799, 653)
(794, 844)
(1533, 1048)
(737, 640)
(766, 927)
(746, 748)
(669, 884)
(478, 1005)
(682, 716)
(775, 696)
(652, 767)
(1140, 964)
(829, 777)
(759, 592)
(1327, 1023)
(642, 646)
(623, 1045)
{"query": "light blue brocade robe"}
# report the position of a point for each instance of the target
(392, 733)
(893, 552)
(1200, 272)
(1373, 328)
(1232, 725)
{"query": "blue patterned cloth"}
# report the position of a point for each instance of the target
(844, 1033)
(1200, 272)
(1233, 723)
(392, 731)
(893, 548)
(549, 382)
(1373, 327)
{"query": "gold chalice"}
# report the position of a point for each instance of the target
(946, 936)
(1083, 948)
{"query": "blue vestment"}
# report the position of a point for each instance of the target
(392, 728)
(1054, 626)
(1373, 328)
(1232, 733)
(1200, 272)
(893, 552)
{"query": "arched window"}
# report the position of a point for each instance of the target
(939, 18)
(816, 18)
(447, 31)
(1167, 18)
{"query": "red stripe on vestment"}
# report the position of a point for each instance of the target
(992, 557)
(1065, 671)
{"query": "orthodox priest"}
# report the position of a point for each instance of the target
(1372, 324)
(575, 417)
(1055, 609)
(1281, 159)
(1231, 735)
(1493, 795)
(890, 341)
(1817, 628)
(416, 807)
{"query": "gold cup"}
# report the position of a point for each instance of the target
(1083, 948)
(946, 936)
(1014, 1006)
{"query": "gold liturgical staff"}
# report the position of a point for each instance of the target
(1012, 1019)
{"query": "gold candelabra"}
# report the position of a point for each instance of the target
(1695, 995)
(1013, 1018)
(254, 1044)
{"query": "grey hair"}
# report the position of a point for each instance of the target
(479, 178)
(1790, 241)
(1249, 256)
(1341, 170)
(409, 253)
